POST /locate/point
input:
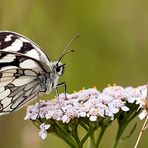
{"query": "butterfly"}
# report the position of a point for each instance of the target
(25, 71)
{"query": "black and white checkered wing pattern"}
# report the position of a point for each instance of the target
(17, 88)
(14, 42)
(21, 64)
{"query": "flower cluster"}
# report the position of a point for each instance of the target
(90, 104)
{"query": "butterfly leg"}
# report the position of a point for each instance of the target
(39, 108)
(38, 101)
(57, 94)
(65, 88)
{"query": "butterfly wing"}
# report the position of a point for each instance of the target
(17, 86)
(14, 42)
(20, 80)
(22, 66)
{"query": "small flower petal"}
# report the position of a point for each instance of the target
(42, 134)
(43, 130)
(93, 118)
(143, 114)
(125, 108)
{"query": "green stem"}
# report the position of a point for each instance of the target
(122, 125)
(100, 136)
(119, 133)
(92, 140)
(67, 140)
(75, 134)
(90, 134)
(83, 125)
(64, 135)
(85, 138)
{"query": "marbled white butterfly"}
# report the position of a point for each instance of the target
(25, 71)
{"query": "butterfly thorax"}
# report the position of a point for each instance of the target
(50, 79)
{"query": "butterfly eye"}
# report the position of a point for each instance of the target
(60, 69)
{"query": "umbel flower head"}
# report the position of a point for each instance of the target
(90, 109)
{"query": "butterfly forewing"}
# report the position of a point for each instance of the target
(22, 66)
(11, 41)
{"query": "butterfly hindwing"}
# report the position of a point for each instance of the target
(17, 88)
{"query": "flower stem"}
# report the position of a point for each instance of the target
(75, 134)
(122, 125)
(100, 136)
(68, 141)
(119, 133)
(92, 141)
(90, 134)
(85, 138)
(65, 135)
(141, 132)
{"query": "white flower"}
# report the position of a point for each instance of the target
(131, 99)
(32, 113)
(65, 119)
(43, 130)
(93, 118)
(125, 108)
(143, 114)
(82, 114)
(143, 105)
(88, 103)
(109, 113)
(50, 114)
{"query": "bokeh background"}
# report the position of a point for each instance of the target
(113, 48)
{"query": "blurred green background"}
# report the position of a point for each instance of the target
(113, 48)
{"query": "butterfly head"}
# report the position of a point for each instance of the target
(59, 67)
(56, 70)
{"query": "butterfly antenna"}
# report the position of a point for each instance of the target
(66, 50)
(67, 46)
